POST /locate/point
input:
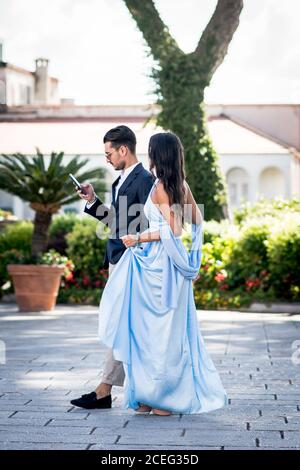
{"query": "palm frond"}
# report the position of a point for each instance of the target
(29, 178)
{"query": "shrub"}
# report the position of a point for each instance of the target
(264, 207)
(17, 236)
(260, 261)
(87, 251)
(247, 265)
(60, 226)
(283, 249)
(84, 247)
(15, 242)
(212, 289)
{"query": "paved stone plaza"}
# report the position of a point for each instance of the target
(52, 357)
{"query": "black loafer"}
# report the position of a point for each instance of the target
(90, 401)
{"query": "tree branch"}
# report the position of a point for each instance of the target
(155, 32)
(215, 40)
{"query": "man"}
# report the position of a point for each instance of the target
(133, 185)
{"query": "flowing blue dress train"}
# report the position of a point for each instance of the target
(147, 315)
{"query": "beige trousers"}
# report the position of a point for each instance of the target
(113, 371)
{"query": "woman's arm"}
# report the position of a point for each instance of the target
(132, 240)
(149, 237)
(161, 199)
(193, 214)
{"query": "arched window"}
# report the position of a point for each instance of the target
(238, 186)
(272, 183)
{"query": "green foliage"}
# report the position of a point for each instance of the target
(283, 250)
(74, 294)
(180, 80)
(11, 256)
(15, 244)
(179, 90)
(17, 235)
(60, 226)
(46, 186)
(85, 248)
(15, 247)
(87, 251)
(248, 262)
(265, 207)
(213, 229)
(256, 260)
(35, 181)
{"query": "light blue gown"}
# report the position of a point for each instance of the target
(147, 315)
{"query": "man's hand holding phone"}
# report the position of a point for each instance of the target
(85, 191)
(89, 193)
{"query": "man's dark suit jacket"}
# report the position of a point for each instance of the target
(136, 187)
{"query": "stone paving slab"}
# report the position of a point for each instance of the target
(52, 357)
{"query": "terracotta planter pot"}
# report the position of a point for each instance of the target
(36, 286)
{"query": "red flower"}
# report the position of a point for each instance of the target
(219, 277)
(224, 286)
(252, 282)
(85, 281)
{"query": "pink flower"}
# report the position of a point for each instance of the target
(219, 277)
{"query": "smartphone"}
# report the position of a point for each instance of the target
(76, 183)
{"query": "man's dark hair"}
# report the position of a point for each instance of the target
(121, 135)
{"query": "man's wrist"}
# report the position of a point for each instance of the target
(89, 205)
(93, 200)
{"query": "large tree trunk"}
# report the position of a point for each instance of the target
(180, 83)
(180, 87)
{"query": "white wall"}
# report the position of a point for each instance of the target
(295, 176)
(254, 166)
(17, 84)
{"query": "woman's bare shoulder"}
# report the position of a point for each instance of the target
(159, 195)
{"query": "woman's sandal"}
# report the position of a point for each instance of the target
(155, 411)
(143, 408)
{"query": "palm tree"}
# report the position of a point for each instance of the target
(46, 188)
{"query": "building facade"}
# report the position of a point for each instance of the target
(21, 87)
(254, 164)
(258, 145)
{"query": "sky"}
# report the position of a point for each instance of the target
(100, 57)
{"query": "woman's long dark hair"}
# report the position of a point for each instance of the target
(166, 155)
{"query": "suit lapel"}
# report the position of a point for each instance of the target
(130, 178)
(113, 186)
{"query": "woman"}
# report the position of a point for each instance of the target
(147, 312)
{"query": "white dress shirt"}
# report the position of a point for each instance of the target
(124, 174)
